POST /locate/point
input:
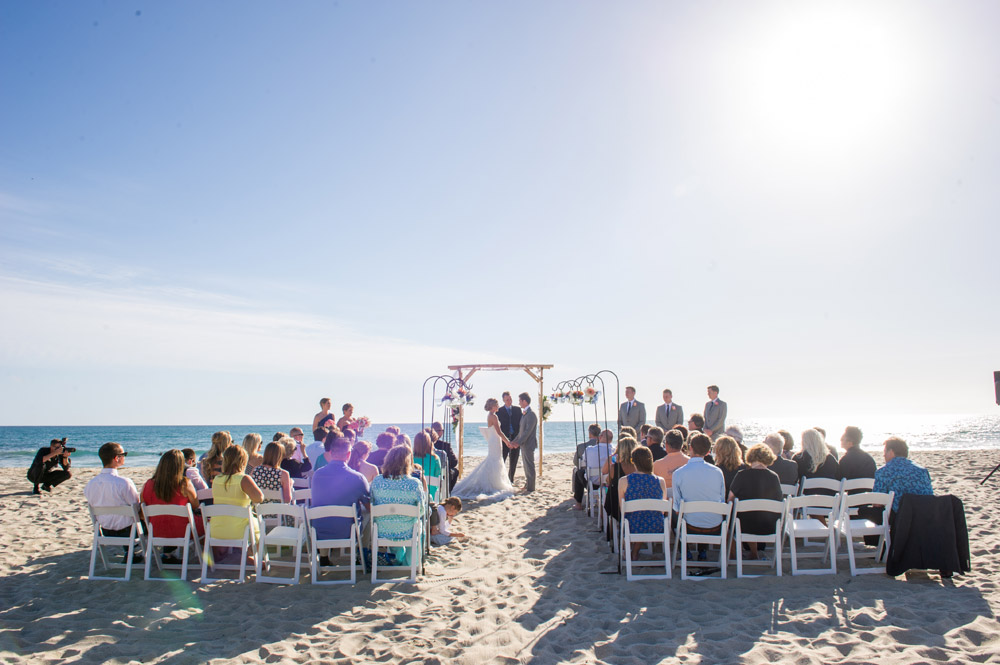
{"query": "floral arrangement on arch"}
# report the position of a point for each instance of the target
(460, 397)
(360, 425)
(558, 397)
(590, 395)
(455, 418)
(546, 407)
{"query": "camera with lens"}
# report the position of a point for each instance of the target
(66, 449)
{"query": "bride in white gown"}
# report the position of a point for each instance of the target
(488, 481)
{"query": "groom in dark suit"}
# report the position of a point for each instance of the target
(510, 421)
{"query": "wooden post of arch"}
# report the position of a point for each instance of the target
(472, 369)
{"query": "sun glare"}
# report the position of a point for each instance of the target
(826, 79)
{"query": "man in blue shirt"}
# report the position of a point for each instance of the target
(700, 481)
(337, 485)
(900, 475)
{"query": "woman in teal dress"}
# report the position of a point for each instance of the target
(426, 459)
(396, 485)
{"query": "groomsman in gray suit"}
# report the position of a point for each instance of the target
(669, 414)
(527, 440)
(715, 414)
(632, 413)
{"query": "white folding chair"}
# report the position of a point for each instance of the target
(434, 488)
(300, 483)
(302, 496)
(684, 538)
(828, 485)
(101, 541)
(857, 484)
(627, 538)
(204, 495)
(738, 537)
(352, 543)
(273, 532)
(593, 494)
(853, 527)
(810, 527)
(790, 490)
(246, 543)
(413, 541)
(444, 492)
(272, 496)
(153, 541)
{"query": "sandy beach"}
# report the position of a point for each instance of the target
(533, 583)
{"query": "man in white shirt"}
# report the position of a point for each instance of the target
(594, 457)
(700, 481)
(109, 489)
(315, 449)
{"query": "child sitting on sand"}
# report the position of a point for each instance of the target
(191, 470)
(441, 533)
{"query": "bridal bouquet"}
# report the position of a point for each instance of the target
(360, 425)
(590, 395)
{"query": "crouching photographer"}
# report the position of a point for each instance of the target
(43, 469)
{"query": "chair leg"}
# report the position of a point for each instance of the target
(184, 559)
(149, 555)
(794, 554)
(93, 557)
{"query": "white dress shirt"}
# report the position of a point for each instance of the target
(595, 457)
(699, 481)
(313, 451)
(109, 489)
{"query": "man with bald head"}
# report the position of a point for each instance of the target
(787, 470)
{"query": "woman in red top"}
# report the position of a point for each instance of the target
(170, 486)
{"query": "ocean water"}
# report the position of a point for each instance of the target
(145, 444)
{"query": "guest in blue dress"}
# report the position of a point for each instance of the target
(396, 485)
(642, 484)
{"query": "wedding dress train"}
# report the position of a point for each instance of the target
(488, 481)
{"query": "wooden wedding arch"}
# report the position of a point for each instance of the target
(537, 372)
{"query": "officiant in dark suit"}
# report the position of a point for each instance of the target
(510, 421)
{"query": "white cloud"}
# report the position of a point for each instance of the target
(60, 325)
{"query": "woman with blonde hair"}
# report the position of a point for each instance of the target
(251, 444)
(359, 460)
(396, 485)
(815, 460)
(324, 418)
(617, 467)
(348, 418)
(233, 487)
(729, 458)
(211, 465)
(294, 467)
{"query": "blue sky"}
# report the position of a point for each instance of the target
(222, 212)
